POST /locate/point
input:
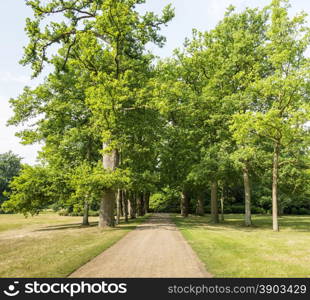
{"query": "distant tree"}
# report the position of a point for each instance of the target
(31, 191)
(9, 167)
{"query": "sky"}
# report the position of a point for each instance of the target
(200, 14)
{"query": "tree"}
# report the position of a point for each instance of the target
(33, 190)
(215, 70)
(9, 168)
(61, 121)
(281, 106)
(107, 38)
(178, 140)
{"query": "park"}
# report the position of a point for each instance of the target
(194, 165)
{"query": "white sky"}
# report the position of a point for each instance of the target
(199, 14)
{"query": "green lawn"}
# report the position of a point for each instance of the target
(49, 245)
(232, 250)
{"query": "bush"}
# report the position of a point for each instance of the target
(227, 210)
(93, 213)
(294, 211)
(237, 209)
(207, 209)
(55, 207)
(257, 210)
(303, 211)
(63, 212)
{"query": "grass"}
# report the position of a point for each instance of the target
(49, 245)
(230, 249)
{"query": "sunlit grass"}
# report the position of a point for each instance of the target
(49, 245)
(230, 249)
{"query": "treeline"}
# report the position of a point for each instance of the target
(228, 112)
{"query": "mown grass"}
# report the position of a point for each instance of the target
(230, 249)
(49, 245)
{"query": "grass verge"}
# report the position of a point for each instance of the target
(230, 249)
(49, 245)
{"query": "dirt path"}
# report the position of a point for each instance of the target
(155, 248)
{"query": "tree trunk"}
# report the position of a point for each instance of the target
(118, 206)
(280, 209)
(110, 162)
(214, 206)
(85, 215)
(132, 207)
(143, 204)
(247, 196)
(125, 205)
(121, 204)
(200, 205)
(147, 202)
(184, 204)
(275, 171)
(140, 205)
(106, 212)
(222, 205)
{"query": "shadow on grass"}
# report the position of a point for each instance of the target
(235, 222)
(125, 226)
(67, 226)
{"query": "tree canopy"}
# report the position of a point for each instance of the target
(224, 119)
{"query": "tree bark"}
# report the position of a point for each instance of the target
(200, 205)
(147, 202)
(110, 162)
(85, 213)
(132, 206)
(247, 196)
(222, 205)
(275, 171)
(140, 205)
(125, 205)
(214, 206)
(121, 204)
(280, 209)
(106, 212)
(184, 204)
(118, 206)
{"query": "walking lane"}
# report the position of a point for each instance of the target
(155, 249)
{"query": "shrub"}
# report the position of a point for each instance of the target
(294, 211)
(257, 210)
(93, 213)
(237, 209)
(303, 211)
(63, 212)
(227, 210)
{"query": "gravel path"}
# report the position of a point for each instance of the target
(155, 248)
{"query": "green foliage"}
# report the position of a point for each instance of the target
(165, 201)
(224, 104)
(9, 168)
(99, 92)
(33, 190)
